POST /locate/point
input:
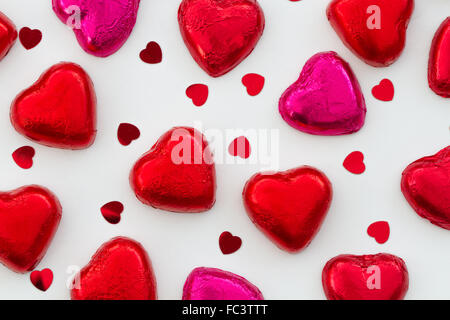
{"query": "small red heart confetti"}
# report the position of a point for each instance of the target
(23, 157)
(42, 279)
(228, 243)
(254, 83)
(152, 54)
(384, 91)
(380, 231)
(126, 133)
(112, 211)
(354, 162)
(198, 93)
(30, 38)
(240, 147)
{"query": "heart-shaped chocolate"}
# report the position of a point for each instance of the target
(426, 186)
(439, 62)
(374, 30)
(215, 284)
(119, 270)
(288, 207)
(220, 34)
(29, 217)
(59, 110)
(326, 99)
(8, 35)
(369, 277)
(101, 27)
(177, 174)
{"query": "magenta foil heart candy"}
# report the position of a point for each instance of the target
(216, 284)
(101, 26)
(326, 99)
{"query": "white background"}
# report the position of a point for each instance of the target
(153, 97)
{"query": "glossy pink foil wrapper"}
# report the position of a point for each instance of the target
(326, 99)
(216, 284)
(100, 26)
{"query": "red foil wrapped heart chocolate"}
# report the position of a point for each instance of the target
(59, 110)
(178, 173)
(326, 99)
(288, 207)
(216, 284)
(439, 62)
(220, 34)
(8, 35)
(29, 218)
(101, 27)
(374, 30)
(119, 270)
(426, 186)
(369, 277)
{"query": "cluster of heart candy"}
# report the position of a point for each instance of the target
(59, 110)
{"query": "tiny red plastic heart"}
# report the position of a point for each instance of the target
(111, 211)
(228, 243)
(354, 162)
(254, 83)
(380, 231)
(240, 147)
(384, 91)
(23, 157)
(126, 133)
(198, 93)
(42, 279)
(30, 38)
(152, 54)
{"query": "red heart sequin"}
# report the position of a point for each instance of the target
(126, 133)
(152, 53)
(59, 110)
(29, 217)
(240, 147)
(30, 38)
(439, 62)
(177, 174)
(198, 93)
(23, 157)
(112, 211)
(426, 186)
(354, 162)
(369, 277)
(42, 279)
(374, 30)
(228, 243)
(220, 34)
(288, 207)
(254, 83)
(8, 35)
(380, 231)
(119, 270)
(384, 91)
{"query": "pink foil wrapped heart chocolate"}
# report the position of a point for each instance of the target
(101, 27)
(216, 284)
(326, 99)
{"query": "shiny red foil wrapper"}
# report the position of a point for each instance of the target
(439, 62)
(178, 173)
(368, 277)
(288, 207)
(374, 30)
(8, 35)
(29, 218)
(426, 186)
(59, 110)
(220, 34)
(119, 270)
